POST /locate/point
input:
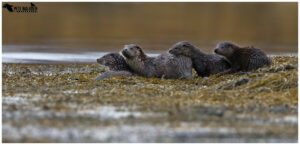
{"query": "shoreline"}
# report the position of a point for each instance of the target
(65, 58)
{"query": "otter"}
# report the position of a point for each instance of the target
(204, 64)
(116, 64)
(241, 58)
(164, 65)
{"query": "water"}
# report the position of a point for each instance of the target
(50, 57)
(107, 123)
(42, 54)
(272, 23)
(81, 32)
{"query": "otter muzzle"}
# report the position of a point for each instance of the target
(216, 50)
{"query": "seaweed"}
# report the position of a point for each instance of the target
(48, 93)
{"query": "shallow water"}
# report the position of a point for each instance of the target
(104, 123)
(57, 54)
(42, 57)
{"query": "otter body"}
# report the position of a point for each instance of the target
(204, 64)
(242, 59)
(165, 65)
(116, 64)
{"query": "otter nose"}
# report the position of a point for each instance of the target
(215, 50)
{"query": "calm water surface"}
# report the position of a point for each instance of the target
(60, 54)
(81, 32)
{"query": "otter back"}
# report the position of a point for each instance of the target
(247, 59)
(208, 64)
(173, 67)
(164, 65)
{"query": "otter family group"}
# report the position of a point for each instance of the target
(177, 63)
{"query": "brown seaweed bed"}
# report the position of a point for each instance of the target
(62, 103)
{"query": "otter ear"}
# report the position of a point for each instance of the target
(139, 48)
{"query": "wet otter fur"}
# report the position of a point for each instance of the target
(116, 64)
(165, 65)
(242, 58)
(204, 64)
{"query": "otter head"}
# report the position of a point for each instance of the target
(182, 48)
(110, 59)
(133, 51)
(225, 48)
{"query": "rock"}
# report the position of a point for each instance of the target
(241, 82)
(289, 67)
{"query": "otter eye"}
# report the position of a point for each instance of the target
(187, 45)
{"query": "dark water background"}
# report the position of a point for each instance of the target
(106, 26)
